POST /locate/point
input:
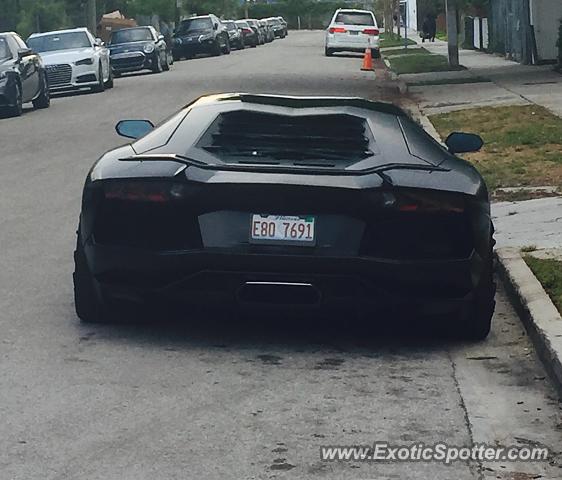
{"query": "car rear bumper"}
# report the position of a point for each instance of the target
(207, 276)
(356, 44)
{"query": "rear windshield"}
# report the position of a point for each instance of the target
(132, 35)
(242, 24)
(230, 25)
(355, 18)
(59, 41)
(195, 24)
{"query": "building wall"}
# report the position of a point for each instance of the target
(545, 19)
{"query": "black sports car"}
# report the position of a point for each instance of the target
(22, 76)
(256, 199)
(138, 48)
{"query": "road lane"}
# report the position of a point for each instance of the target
(232, 397)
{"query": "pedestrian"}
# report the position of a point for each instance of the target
(429, 28)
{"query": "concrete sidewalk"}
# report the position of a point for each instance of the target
(498, 82)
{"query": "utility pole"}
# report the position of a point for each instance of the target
(246, 9)
(92, 17)
(452, 33)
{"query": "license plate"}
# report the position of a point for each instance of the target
(354, 32)
(280, 229)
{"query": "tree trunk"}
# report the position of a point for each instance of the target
(452, 33)
(92, 17)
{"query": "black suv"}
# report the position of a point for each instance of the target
(22, 76)
(203, 34)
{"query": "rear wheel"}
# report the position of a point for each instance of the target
(44, 98)
(89, 307)
(477, 320)
(328, 52)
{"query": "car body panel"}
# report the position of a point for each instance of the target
(134, 56)
(368, 249)
(65, 67)
(211, 40)
(28, 72)
(353, 37)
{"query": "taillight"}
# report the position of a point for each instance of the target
(426, 203)
(147, 191)
(371, 31)
(337, 30)
(248, 30)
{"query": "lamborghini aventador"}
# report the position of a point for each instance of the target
(273, 201)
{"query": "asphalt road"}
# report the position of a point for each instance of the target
(227, 397)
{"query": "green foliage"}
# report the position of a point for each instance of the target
(549, 273)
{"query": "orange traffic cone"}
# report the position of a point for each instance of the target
(367, 60)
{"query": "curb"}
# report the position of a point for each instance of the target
(537, 312)
(402, 85)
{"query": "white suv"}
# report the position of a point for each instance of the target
(352, 31)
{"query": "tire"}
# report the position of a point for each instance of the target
(158, 67)
(90, 308)
(217, 50)
(109, 83)
(328, 52)
(226, 49)
(477, 321)
(375, 53)
(17, 109)
(100, 87)
(44, 98)
(166, 65)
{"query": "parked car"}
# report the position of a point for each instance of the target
(249, 34)
(202, 34)
(23, 77)
(284, 22)
(74, 59)
(320, 201)
(352, 31)
(279, 29)
(138, 48)
(267, 33)
(256, 28)
(234, 34)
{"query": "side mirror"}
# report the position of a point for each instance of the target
(459, 142)
(160, 38)
(133, 128)
(99, 42)
(24, 52)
